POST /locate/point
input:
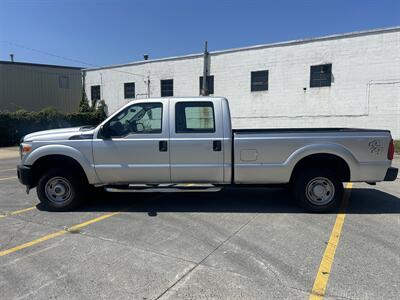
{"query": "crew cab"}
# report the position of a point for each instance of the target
(185, 144)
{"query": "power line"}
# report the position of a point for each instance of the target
(67, 58)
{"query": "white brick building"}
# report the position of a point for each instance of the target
(361, 72)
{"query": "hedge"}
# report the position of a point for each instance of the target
(397, 146)
(14, 125)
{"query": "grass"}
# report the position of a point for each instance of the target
(397, 146)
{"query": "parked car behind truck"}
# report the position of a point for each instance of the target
(162, 143)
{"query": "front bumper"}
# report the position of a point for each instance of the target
(25, 175)
(391, 174)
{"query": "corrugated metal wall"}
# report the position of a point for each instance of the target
(36, 87)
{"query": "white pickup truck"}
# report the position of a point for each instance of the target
(186, 144)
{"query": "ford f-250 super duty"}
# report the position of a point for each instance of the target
(164, 143)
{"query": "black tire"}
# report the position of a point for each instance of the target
(55, 181)
(317, 190)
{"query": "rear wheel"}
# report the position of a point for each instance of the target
(60, 190)
(317, 190)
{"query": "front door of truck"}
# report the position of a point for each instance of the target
(196, 145)
(136, 146)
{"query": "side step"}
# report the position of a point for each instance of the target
(162, 188)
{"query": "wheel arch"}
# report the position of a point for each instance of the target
(326, 160)
(59, 154)
(44, 163)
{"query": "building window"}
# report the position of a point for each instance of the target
(95, 92)
(194, 117)
(210, 84)
(129, 90)
(259, 81)
(167, 88)
(63, 82)
(321, 75)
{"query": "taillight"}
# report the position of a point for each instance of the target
(391, 150)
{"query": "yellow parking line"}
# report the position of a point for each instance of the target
(6, 178)
(16, 212)
(56, 234)
(321, 281)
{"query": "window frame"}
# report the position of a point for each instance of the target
(210, 77)
(253, 86)
(328, 80)
(171, 90)
(125, 90)
(160, 132)
(91, 92)
(63, 81)
(194, 104)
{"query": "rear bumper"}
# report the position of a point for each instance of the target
(391, 174)
(25, 175)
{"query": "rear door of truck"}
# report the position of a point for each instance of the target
(196, 147)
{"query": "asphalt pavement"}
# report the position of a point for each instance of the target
(234, 244)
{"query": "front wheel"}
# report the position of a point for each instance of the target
(60, 190)
(318, 190)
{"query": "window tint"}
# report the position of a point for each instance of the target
(194, 117)
(259, 81)
(95, 92)
(167, 88)
(210, 84)
(321, 75)
(129, 90)
(140, 118)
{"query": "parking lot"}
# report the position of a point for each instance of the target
(247, 244)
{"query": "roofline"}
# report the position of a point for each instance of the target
(5, 62)
(256, 47)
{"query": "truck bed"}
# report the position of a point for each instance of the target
(269, 155)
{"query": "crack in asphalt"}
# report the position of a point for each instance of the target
(207, 256)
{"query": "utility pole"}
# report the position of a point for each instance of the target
(204, 87)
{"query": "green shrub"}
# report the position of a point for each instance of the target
(14, 125)
(397, 146)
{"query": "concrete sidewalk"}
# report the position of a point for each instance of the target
(9, 152)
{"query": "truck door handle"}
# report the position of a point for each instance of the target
(217, 145)
(163, 146)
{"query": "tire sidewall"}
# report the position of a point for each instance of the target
(303, 179)
(76, 190)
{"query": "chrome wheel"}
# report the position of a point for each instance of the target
(58, 190)
(320, 191)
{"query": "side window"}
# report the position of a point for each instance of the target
(143, 118)
(167, 88)
(210, 84)
(129, 90)
(259, 81)
(63, 82)
(95, 92)
(194, 117)
(320, 75)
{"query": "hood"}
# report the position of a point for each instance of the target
(74, 133)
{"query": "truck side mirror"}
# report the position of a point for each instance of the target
(104, 132)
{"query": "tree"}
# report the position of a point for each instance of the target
(84, 103)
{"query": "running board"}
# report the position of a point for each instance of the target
(178, 188)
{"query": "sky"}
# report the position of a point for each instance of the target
(89, 33)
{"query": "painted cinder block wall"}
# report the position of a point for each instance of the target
(365, 90)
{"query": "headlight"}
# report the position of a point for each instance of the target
(25, 148)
